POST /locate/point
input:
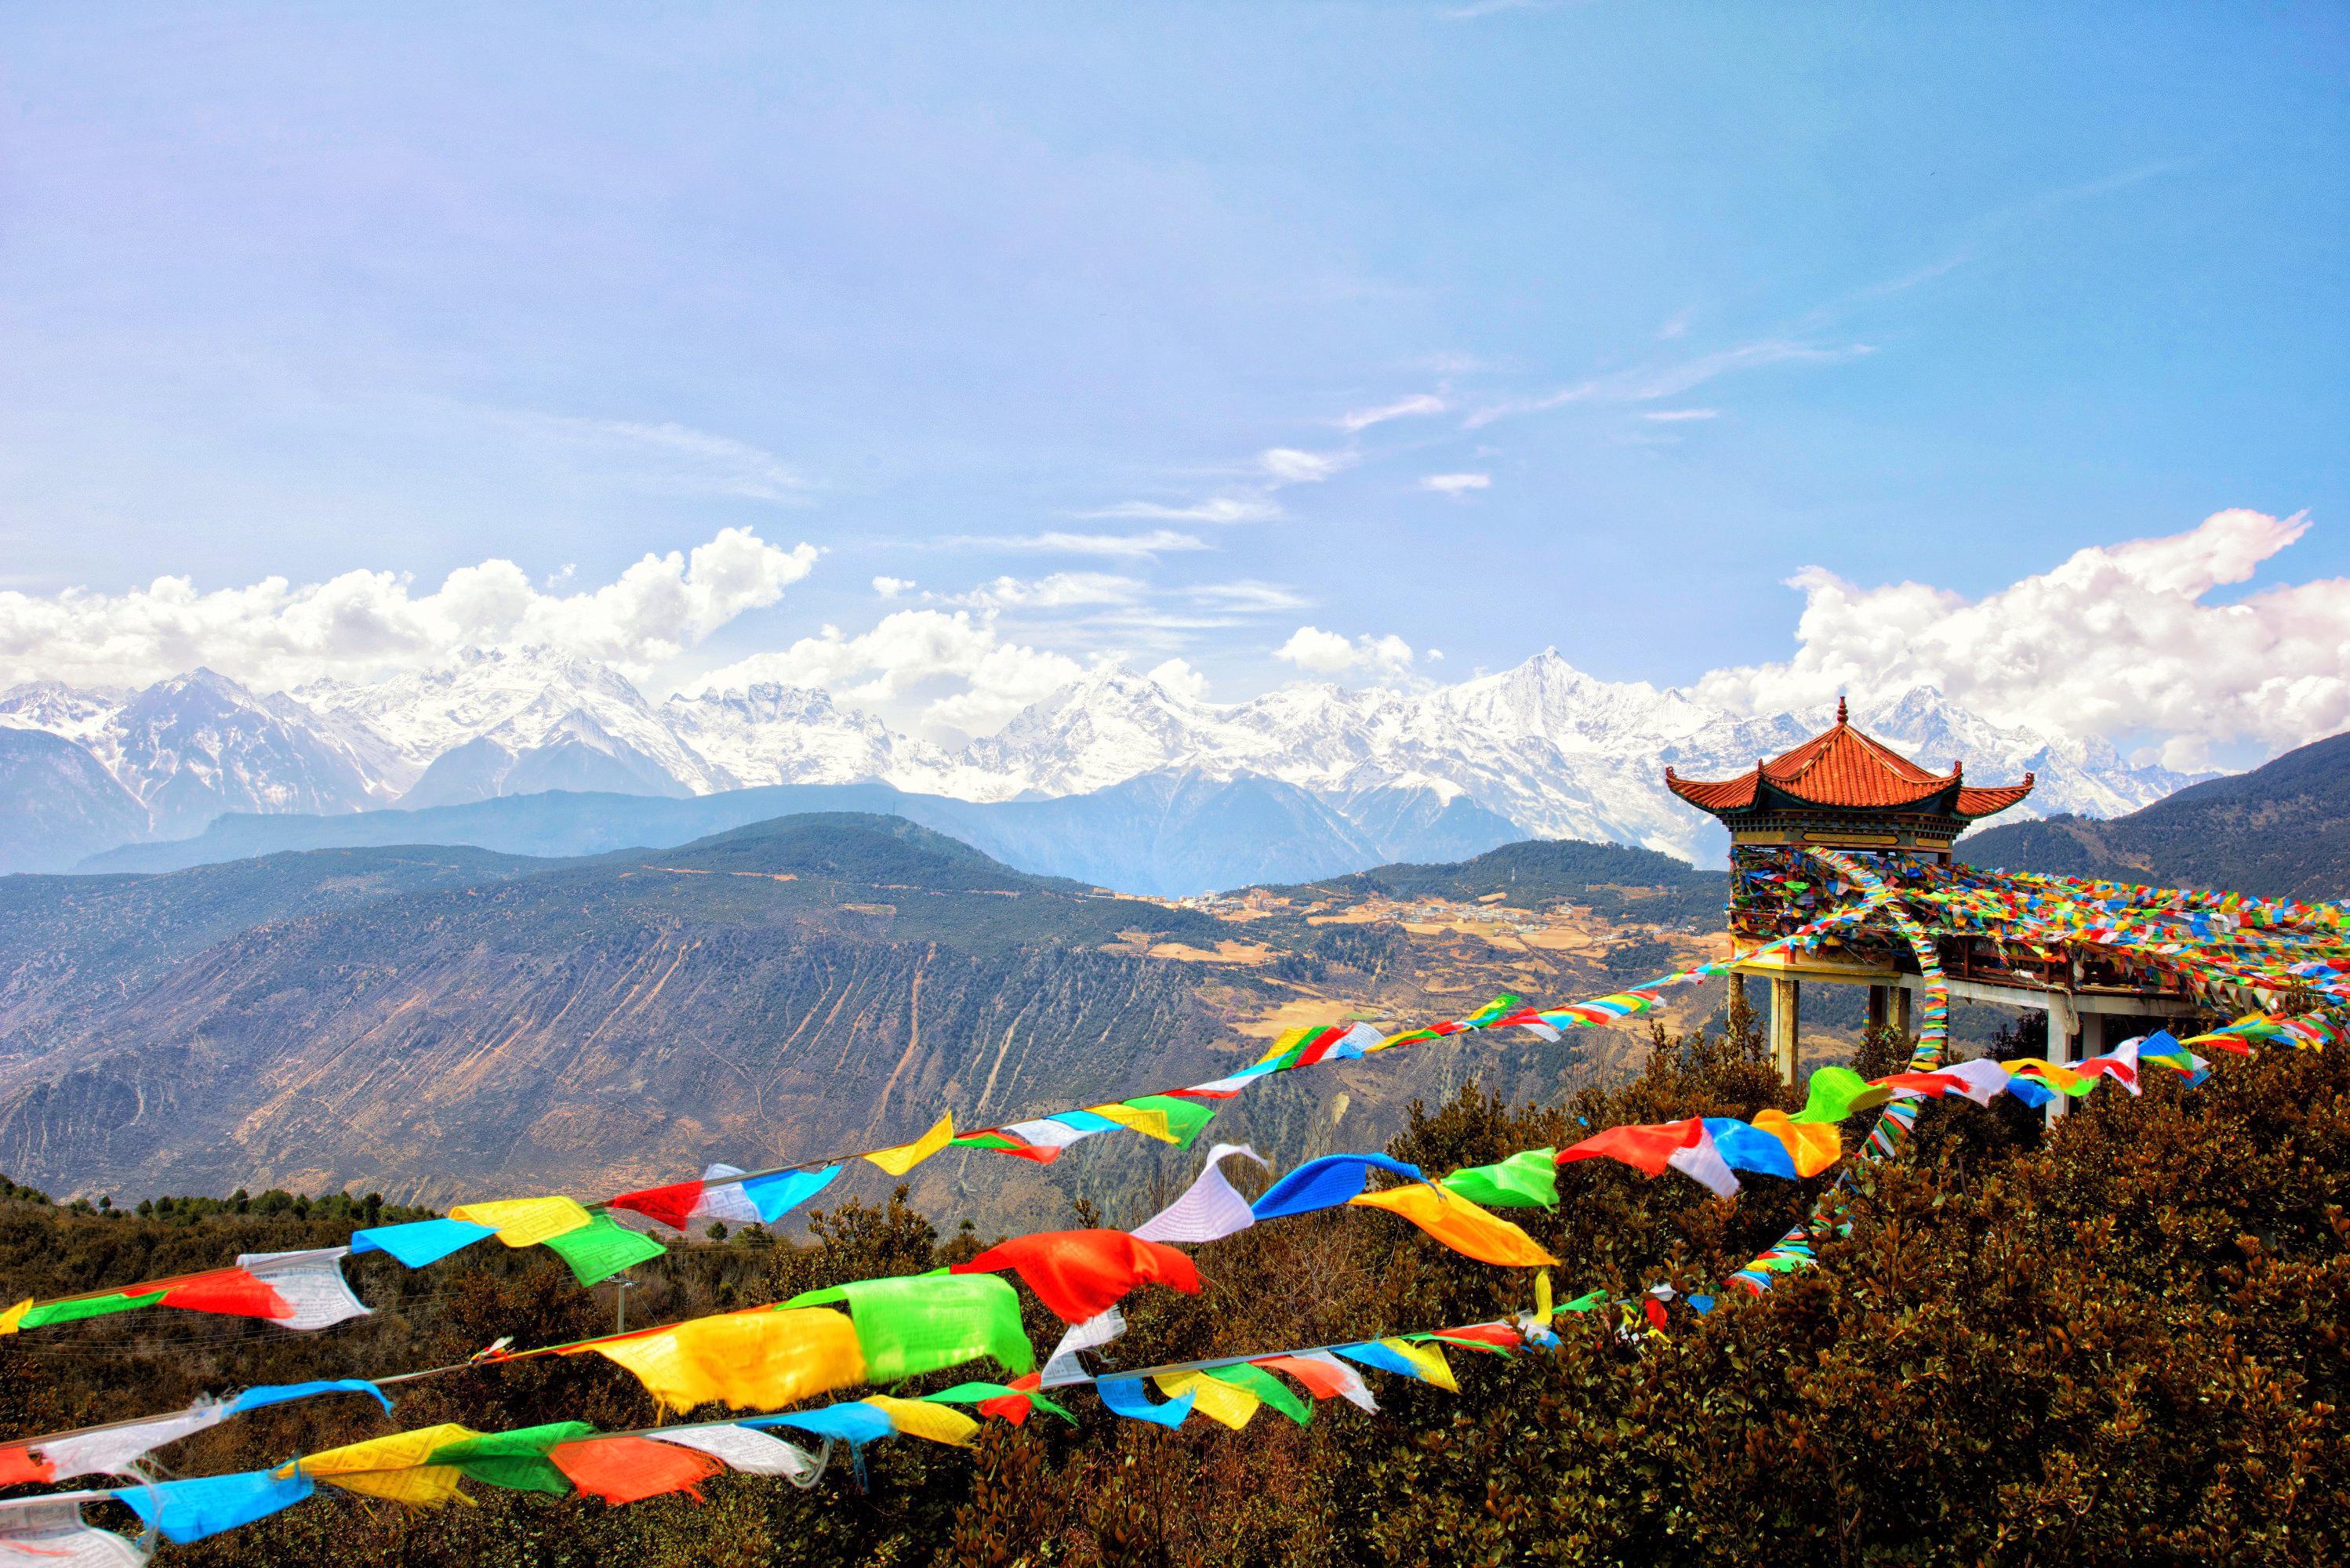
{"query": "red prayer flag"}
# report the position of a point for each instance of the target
(1500, 1336)
(671, 1205)
(1321, 1379)
(1645, 1147)
(1013, 1408)
(1924, 1083)
(1081, 1273)
(232, 1293)
(627, 1469)
(19, 1467)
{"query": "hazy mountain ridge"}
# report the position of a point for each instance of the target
(2281, 830)
(1544, 748)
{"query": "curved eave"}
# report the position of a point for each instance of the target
(1979, 802)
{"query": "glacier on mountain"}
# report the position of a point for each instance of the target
(1551, 750)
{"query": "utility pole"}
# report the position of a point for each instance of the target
(620, 1289)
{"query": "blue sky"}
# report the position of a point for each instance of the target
(1696, 296)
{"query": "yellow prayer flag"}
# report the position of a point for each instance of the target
(1543, 1310)
(14, 1315)
(1813, 1146)
(1288, 1041)
(1150, 1124)
(921, 1418)
(390, 1466)
(763, 1359)
(1426, 1359)
(906, 1156)
(524, 1222)
(1211, 1397)
(1469, 1229)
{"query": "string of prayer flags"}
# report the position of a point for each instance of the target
(1327, 1183)
(1528, 1179)
(1425, 1363)
(759, 1359)
(1079, 1274)
(1211, 1208)
(1266, 1388)
(898, 1161)
(1468, 1230)
(921, 1323)
(1685, 1146)
(1329, 1043)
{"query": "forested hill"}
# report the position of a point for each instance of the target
(2281, 830)
(1611, 878)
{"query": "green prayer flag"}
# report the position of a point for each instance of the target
(515, 1461)
(1586, 1302)
(921, 1323)
(977, 1393)
(1836, 1092)
(1185, 1118)
(88, 1306)
(600, 1248)
(1525, 1180)
(1266, 1386)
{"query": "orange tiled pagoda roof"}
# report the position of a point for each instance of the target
(1843, 770)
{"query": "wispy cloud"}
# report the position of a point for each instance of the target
(1288, 466)
(1677, 324)
(1215, 509)
(1456, 485)
(1248, 595)
(1402, 408)
(1132, 546)
(1647, 383)
(1061, 590)
(1678, 416)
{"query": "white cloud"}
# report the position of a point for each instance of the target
(1652, 383)
(911, 648)
(891, 587)
(1675, 416)
(1402, 408)
(1061, 590)
(2115, 641)
(1137, 546)
(1330, 653)
(1178, 677)
(1215, 509)
(1456, 485)
(1677, 324)
(1248, 595)
(1291, 466)
(363, 624)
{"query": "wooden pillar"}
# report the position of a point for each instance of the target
(1786, 1008)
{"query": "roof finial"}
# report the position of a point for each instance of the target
(1840, 707)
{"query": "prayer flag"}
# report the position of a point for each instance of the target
(1326, 1183)
(630, 1468)
(524, 1222)
(309, 1285)
(751, 1360)
(52, 1532)
(1528, 1179)
(919, 1323)
(392, 1467)
(516, 1461)
(1125, 1396)
(925, 1419)
(1209, 1210)
(1219, 1401)
(600, 1248)
(906, 1156)
(1460, 1225)
(419, 1242)
(1325, 1376)
(1648, 1148)
(1744, 1147)
(1078, 1274)
(189, 1510)
(754, 1453)
(1814, 1146)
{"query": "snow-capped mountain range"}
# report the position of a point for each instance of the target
(1555, 752)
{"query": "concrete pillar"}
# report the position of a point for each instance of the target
(1736, 990)
(1881, 1000)
(2064, 1046)
(1901, 1019)
(1786, 1009)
